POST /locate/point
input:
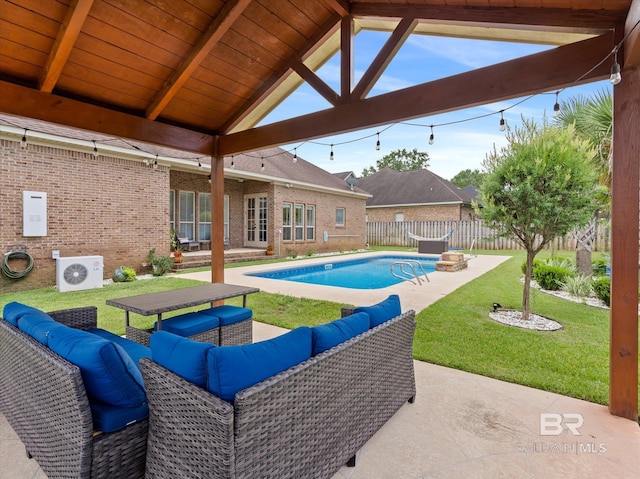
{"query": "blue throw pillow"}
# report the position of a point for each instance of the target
(234, 368)
(136, 351)
(109, 374)
(329, 335)
(183, 356)
(38, 327)
(383, 311)
(13, 311)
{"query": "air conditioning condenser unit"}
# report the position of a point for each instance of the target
(75, 273)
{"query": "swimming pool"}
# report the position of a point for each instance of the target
(365, 273)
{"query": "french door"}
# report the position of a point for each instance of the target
(255, 221)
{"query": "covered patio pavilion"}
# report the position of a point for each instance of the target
(198, 76)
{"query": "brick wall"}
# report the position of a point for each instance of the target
(95, 206)
(420, 213)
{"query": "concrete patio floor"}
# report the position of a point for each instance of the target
(461, 425)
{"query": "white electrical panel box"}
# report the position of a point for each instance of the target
(34, 213)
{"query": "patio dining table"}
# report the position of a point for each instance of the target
(166, 301)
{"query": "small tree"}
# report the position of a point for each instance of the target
(468, 177)
(538, 187)
(400, 160)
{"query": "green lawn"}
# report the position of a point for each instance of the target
(455, 331)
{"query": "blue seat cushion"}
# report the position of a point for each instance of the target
(189, 324)
(183, 356)
(109, 374)
(136, 351)
(326, 336)
(229, 314)
(112, 418)
(233, 368)
(38, 327)
(13, 311)
(382, 311)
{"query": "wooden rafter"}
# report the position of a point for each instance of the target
(277, 79)
(342, 7)
(218, 27)
(346, 58)
(23, 101)
(67, 36)
(560, 18)
(316, 82)
(556, 68)
(384, 57)
(632, 31)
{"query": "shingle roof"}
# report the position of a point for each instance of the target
(390, 187)
(278, 163)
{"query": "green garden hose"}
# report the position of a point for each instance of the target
(11, 273)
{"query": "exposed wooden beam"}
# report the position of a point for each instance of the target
(217, 219)
(566, 19)
(632, 32)
(623, 356)
(342, 7)
(22, 101)
(279, 77)
(316, 82)
(384, 57)
(346, 58)
(218, 27)
(67, 36)
(552, 69)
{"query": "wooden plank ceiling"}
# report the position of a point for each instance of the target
(198, 75)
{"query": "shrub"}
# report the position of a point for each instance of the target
(599, 266)
(309, 253)
(561, 262)
(129, 274)
(602, 288)
(536, 263)
(551, 277)
(579, 286)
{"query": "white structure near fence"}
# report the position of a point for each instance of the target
(466, 233)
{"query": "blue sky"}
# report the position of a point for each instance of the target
(423, 58)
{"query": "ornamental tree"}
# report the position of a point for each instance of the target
(538, 187)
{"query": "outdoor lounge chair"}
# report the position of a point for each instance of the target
(186, 244)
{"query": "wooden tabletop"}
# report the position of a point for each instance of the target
(157, 303)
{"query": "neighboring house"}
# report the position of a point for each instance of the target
(121, 202)
(415, 195)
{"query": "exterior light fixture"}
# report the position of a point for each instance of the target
(503, 124)
(615, 77)
(431, 136)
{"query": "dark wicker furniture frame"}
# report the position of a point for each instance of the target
(305, 422)
(43, 398)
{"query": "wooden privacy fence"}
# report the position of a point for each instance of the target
(394, 233)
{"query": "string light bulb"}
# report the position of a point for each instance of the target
(378, 142)
(556, 106)
(331, 154)
(155, 163)
(431, 136)
(23, 142)
(262, 165)
(95, 149)
(503, 124)
(232, 163)
(199, 165)
(209, 178)
(295, 155)
(615, 77)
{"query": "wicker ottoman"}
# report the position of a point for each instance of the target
(235, 324)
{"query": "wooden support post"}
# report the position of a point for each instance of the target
(623, 385)
(217, 219)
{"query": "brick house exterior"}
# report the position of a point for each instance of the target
(117, 204)
(416, 195)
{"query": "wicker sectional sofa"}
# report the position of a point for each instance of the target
(304, 422)
(45, 400)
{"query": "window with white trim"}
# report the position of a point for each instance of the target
(340, 216)
(299, 222)
(311, 222)
(186, 214)
(287, 225)
(204, 216)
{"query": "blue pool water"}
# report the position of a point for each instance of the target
(365, 273)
